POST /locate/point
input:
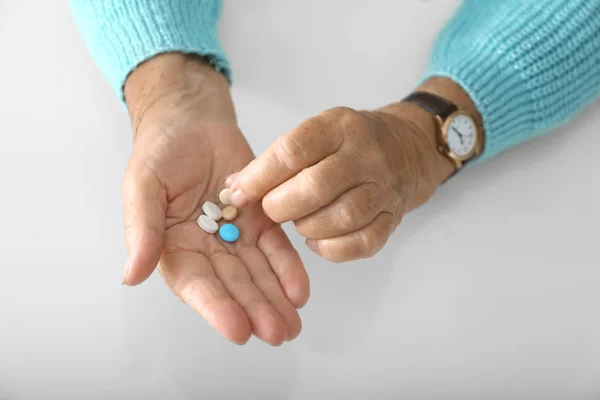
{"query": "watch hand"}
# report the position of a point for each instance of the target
(457, 132)
(460, 136)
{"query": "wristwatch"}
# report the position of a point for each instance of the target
(458, 133)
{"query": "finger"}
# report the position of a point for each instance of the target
(286, 264)
(266, 323)
(144, 200)
(312, 189)
(363, 243)
(291, 153)
(191, 277)
(230, 179)
(352, 211)
(265, 279)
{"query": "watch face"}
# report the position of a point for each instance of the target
(461, 135)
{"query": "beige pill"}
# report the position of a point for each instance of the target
(212, 210)
(225, 196)
(229, 213)
(207, 224)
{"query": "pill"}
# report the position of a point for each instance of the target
(225, 196)
(229, 213)
(207, 224)
(212, 210)
(229, 232)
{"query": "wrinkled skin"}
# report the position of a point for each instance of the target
(186, 143)
(345, 178)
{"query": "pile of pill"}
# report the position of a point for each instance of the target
(213, 213)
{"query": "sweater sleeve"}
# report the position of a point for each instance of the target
(529, 66)
(121, 34)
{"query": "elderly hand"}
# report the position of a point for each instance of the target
(186, 143)
(346, 178)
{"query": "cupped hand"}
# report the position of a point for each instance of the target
(186, 142)
(346, 177)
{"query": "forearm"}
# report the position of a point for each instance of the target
(186, 80)
(121, 34)
(527, 66)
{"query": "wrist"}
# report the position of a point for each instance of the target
(416, 136)
(433, 166)
(171, 77)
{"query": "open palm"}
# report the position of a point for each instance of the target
(182, 155)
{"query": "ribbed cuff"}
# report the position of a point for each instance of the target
(121, 34)
(528, 66)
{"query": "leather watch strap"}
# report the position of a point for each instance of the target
(432, 103)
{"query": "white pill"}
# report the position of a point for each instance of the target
(212, 210)
(225, 196)
(207, 224)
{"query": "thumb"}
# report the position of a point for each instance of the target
(144, 201)
(301, 148)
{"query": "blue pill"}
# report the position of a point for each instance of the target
(229, 232)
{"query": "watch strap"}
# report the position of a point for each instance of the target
(435, 104)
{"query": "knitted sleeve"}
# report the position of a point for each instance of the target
(528, 65)
(121, 34)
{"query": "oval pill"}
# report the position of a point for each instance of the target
(207, 224)
(229, 232)
(212, 210)
(229, 213)
(225, 196)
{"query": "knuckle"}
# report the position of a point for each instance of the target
(369, 242)
(314, 128)
(345, 117)
(371, 198)
(316, 187)
(344, 113)
(348, 215)
(351, 118)
(290, 153)
(375, 200)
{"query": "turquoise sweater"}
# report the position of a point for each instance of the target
(529, 65)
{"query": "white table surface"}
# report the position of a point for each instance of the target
(490, 291)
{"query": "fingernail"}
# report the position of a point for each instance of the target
(230, 179)
(238, 199)
(312, 244)
(124, 280)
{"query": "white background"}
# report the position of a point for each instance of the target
(490, 291)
